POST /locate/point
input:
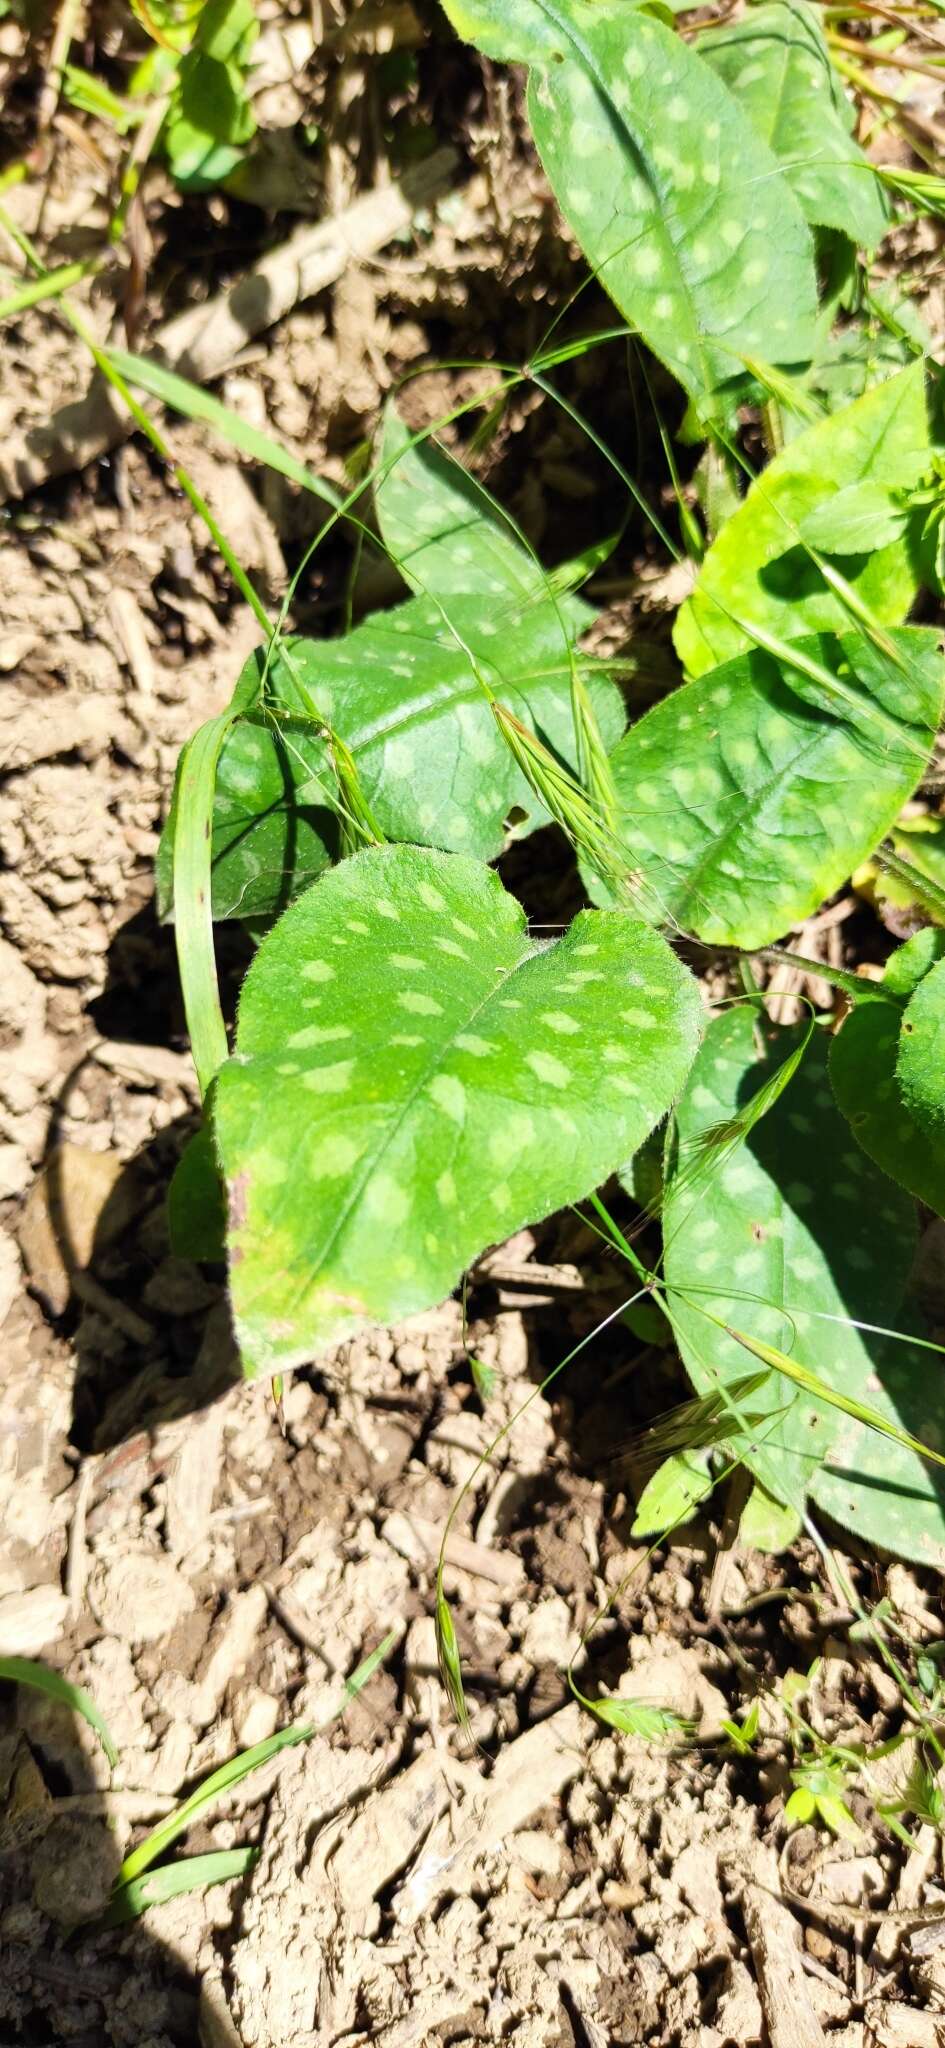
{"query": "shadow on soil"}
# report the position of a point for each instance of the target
(65, 1979)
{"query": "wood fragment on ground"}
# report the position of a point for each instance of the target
(419, 1540)
(205, 340)
(917, 1868)
(775, 1946)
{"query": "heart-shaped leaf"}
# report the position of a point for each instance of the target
(790, 1236)
(415, 1078)
(745, 805)
(758, 571)
(921, 1063)
(777, 64)
(679, 207)
(405, 694)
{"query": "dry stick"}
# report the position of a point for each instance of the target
(740, 1487)
(203, 342)
(773, 1938)
(67, 21)
(901, 112)
(866, 52)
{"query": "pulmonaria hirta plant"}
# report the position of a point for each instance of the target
(413, 1075)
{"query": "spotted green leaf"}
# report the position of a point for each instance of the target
(776, 62)
(415, 1078)
(405, 694)
(442, 529)
(678, 205)
(745, 805)
(758, 571)
(797, 1234)
(514, 31)
(921, 1063)
(865, 1081)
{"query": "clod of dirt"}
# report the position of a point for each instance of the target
(29, 1622)
(667, 1674)
(65, 1218)
(73, 1868)
(139, 1596)
(25, 1800)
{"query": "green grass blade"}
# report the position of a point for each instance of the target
(51, 286)
(191, 1874)
(221, 1780)
(365, 1671)
(22, 1671)
(239, 1767)
(180, 395)
(812, 1383)
(193, 925)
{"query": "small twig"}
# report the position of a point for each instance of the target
(66, 24)
(113, 1805)
(77, 1557)
(915, 1872)
(773, 1938)
(738, 1492)
(884, 57)
(125, 1319)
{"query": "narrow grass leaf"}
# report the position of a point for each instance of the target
(192, 868)
(190, 400)
(24, 1671)
(204, 1796)
(190, 1874)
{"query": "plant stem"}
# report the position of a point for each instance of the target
(851, 984)
(50, 286)
(890, 57)
(931, 892)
